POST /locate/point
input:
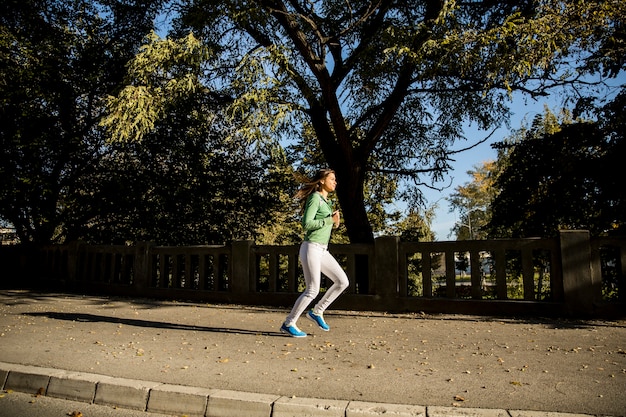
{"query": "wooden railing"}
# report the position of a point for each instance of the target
(570, 275)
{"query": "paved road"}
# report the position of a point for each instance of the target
(443, 360)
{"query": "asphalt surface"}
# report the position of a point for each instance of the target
(542, 365)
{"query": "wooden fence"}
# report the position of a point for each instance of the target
(572, 275)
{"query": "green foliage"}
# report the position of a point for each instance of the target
(414, 226)
(189, 181)
(384, 87)
(183, 185)
(57, 60)
(567, 178)
(472, 201)
(283, 225)
(379, 91)
(163, 72)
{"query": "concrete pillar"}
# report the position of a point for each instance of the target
(142, 266)
(579, 289)
(386, 259)
(241, 256)
(73, 258)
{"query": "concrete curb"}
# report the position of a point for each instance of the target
(202, 402)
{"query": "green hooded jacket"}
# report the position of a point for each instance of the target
(317, 219)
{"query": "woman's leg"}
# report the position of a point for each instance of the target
(310, 257)
(331, 268)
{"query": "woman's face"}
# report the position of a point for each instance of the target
(329, 183)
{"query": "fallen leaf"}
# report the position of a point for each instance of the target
(458, 398)
(75, 414)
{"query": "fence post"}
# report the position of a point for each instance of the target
(241, 251)
(73, 259)
(579, 289)
(386, 257)
(142, 266)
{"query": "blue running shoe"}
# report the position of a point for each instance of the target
(319, 320)
(292, 331)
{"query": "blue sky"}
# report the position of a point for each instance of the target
(521, 110)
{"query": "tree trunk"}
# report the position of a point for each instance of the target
(351, 179)
(349, 191)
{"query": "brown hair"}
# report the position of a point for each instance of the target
(311, 185)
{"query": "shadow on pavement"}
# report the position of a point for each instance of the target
(83, 317)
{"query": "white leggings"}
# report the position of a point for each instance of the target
(316, 260)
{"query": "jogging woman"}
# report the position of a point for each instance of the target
(318, 221)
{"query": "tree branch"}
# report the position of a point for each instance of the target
(483, 140)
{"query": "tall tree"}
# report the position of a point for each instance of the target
(63, 180)
(384, 86)
(57, 60)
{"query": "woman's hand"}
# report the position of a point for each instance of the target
(336, 218)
